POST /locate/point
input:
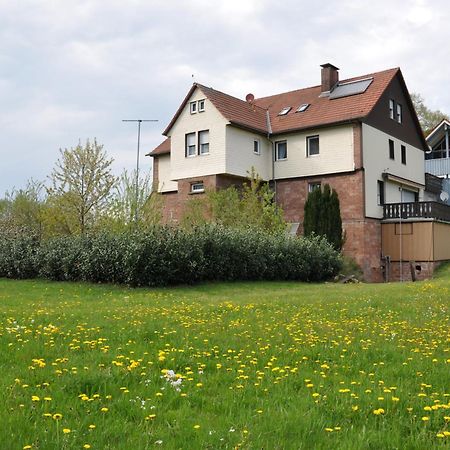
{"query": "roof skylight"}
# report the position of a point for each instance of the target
(303, 107)
(284, 111)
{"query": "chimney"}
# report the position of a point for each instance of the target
(330, 77)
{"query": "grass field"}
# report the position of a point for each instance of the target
(225, 366)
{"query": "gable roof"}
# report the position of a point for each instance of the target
(262, 114)
(437, 132)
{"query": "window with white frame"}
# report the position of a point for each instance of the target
(280, 150)
(190, 145)
(197, 187)
(313, 186)
(193, 107)
(203, 142)
(392, 109)
(256, 147)
(312, 145)
(399, 113)
(201, 105)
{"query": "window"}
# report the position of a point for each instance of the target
(313, 186)
(403, 154)
(391, 109)
(197, 187)
(256, 148)
(190, 144)
(303, 107)
(312, 145)
(193, 107)
(399, 113)
(380, 192)
(284, 111)
(201, 105)
(203, 142)
(391, 149)
(280, 150)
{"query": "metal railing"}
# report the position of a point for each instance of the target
(420, 210)
(438, 167)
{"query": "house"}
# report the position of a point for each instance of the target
(360, 135)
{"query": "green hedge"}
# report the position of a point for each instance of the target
(167, 255)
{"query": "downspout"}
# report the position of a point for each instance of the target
(269, 132)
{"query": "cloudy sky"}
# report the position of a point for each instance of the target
(73, 69)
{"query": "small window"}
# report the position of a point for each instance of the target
(403, 154)
(280, 150)
(313, 186)
(391, 109)
(399, 113)
(312, 145)
(190, 144)
(198, 187)
(203, 142)
(284, 111)
(201, 105)
(193, 107)
(380, 192)
(256, 148)
(303, 107)
(391, 149)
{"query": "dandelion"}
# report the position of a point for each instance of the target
(57, 416)
(425, 418)
(35, 398)
(66, 430)
(196, 427)
(86, 446)
(104, 409)
(379, 411)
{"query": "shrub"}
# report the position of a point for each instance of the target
(164, 256)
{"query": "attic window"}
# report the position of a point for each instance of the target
(303, 107)
(284, 111)
(193, 107)
(201, 105)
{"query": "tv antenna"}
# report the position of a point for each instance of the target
(139, 121)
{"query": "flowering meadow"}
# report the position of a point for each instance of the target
(225, 366)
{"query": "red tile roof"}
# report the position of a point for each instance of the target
(162, 149)
(322, 110)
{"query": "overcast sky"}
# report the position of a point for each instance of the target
(73, 69)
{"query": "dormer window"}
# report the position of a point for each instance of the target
(201, 105)
(303, 108)
(284, 111)
(193, 107)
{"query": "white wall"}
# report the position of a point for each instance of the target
(240, 157)
(165, 184)
(199, 165)
(336, 153)
(376, 161)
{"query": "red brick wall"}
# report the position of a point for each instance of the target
(363, 236)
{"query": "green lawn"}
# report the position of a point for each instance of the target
(255, 366)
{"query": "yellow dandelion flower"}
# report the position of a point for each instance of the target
(92, 427)
(66, 430)
(104, 409)
(86, 446)
(196, 427)
(27, 447)
(330, 430)
(425, 418)
(57, 416)
(35, 398)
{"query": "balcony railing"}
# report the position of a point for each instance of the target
(438, 167)
(419, 210)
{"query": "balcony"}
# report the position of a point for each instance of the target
(438, 167)
(417, 210)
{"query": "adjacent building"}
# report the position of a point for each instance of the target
(360, 135)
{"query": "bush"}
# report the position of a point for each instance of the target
(166, 256)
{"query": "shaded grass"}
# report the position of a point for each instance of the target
(263, 365)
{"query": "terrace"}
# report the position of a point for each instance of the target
(417, 210)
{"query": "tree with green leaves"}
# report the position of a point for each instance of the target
(322, 216)
(428, 118)
(250, 204)
(124, 206)
(82, 183)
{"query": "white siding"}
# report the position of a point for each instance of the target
(240, 157)
(335, 147)
(376, 161)
(165, 184)
(200, 165)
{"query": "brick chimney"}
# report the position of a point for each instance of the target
(330, 77)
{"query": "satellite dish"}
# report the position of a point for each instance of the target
(249, 98)
(444, 196)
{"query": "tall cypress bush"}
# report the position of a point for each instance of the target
(323, 216)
